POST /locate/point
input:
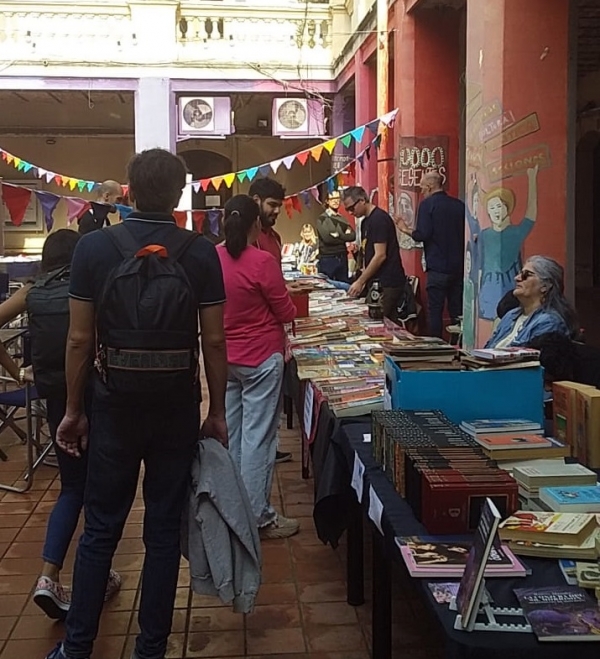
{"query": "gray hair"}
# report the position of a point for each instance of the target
(356, 193)
(552, 274)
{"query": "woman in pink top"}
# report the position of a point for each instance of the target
(258, 305)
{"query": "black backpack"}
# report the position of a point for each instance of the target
(147, 319)
(48, 312)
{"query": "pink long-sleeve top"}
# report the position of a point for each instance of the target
(257, 306)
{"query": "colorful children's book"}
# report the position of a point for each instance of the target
(548, 528)
(560, 613)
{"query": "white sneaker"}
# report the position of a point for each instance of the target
(283, 527)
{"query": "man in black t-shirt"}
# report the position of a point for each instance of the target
(108, 194)
(381, 252)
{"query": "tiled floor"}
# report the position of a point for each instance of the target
(301, 609)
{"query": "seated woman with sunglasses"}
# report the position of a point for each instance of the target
(542, 308)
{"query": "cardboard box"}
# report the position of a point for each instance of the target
(564, 396)
(587, 428)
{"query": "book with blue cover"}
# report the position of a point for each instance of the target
(572, 498)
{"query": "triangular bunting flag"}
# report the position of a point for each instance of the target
(388, 119)
(72, 183)
(315, 193)
(101, 211)
(368, 152)
(49, 176)
(302, 157)
(288, 161)
(241, 176)
(48, 202)
(214, 222)
(124, 211)
(41, 172)
(329, 146)
(90, 185)
(316, 152)
(264, 170)
(198, 218)
(16, 200)
(373, 126)
(17, 162)
(81, 185)
(204, 183)
(217, 181)
(180, 218)
(3, 154)
(27, 166)
(358, 133)
(346, 140)
(296, 203)
(229, 179)
(289, 206)
(377, 141)
(10, 158)
(76, 208)
(20, 166)
(275, 165)
(361, 160)
(305, 196)
(330, 184)
(251, 173)
(196, 186)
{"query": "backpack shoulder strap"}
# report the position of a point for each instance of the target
(179, 241)
(122, 239)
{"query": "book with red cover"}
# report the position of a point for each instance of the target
(499, 441)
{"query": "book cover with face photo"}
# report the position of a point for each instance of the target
(470, 590)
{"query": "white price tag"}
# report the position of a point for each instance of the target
(309, 399)
(375, 509)
(357, 477)
(367, 437)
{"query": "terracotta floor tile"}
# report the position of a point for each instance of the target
(180, 618)
(208, 619)
(20, 566)
(272, 553)
(307, 535)
(7, 624)
(11, 605)
(175, 647)
(131, 546)
(328, 613)
(25, 550)
(8, 535)
(14, 497)
(26, 649)
(31, 627)
(273, 616)
(114, 623)
(36, 519)
(328, 568)
(298, 509)
(275, 641)
(276, 593)
(182, 598)
(31, 534)
(215, 644)
(130, 580)
(332, 591)
(133, 530)
(128, 562)
(124, 600)
(273, 573)
(312, 553)
(13, 521)
(335, 638)
(184, 578)
(205, 601)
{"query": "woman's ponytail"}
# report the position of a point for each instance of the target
(241, 212)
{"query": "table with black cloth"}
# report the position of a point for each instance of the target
(398, 520)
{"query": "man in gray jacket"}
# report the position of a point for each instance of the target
(334, 234)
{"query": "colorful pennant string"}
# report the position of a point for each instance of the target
(17, 197)
(266, 169)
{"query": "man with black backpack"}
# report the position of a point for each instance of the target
(136, 291)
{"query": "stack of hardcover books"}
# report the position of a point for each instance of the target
(440, 470)
(486, 358)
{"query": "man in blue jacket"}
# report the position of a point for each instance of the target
(441, 229)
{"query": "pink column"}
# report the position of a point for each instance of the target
(365, 81)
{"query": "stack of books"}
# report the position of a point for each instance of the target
(485, 358)
(544, 474)
(585, 574)
(514, 439)
(440, 470)
(551, 535)
(422, 353)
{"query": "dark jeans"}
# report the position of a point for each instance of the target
(391, 298)
(442, 288)
(121, 439)
(335, 267)
(65, 514)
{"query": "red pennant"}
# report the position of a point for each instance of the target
(205, 182)
(58, 180)
(180, 218)
(199, 217)
(289, 206)
(16, 201)
(296, 203)
(302, 157)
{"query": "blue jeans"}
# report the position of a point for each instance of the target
(121, 439)
(335, 267)
(253, 407)
(65, 514)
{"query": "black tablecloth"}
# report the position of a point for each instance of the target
(398, 520)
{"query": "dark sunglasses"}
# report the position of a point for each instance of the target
(525, 274)
(351, 208)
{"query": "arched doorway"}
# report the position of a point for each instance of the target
(206, 164)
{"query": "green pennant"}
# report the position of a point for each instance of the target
(80, 185)
(346, 140)
(241, 176)
(21, 166)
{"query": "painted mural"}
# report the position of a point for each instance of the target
(503, 172)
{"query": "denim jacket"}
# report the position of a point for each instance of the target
(541, 321)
